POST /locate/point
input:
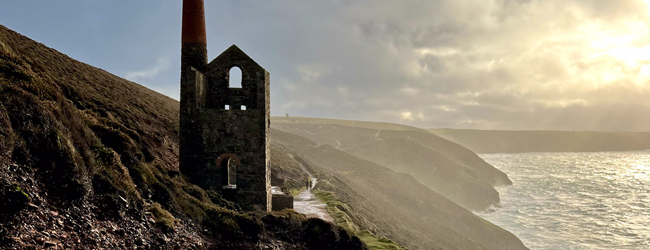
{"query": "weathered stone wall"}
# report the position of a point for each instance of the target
(212, 133)
(282, 201)
(191, 141)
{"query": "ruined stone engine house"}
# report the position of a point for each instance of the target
(224, 142)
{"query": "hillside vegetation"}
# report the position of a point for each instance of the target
(443, 166)
(500, 141)
(349, 123)
(392, 205)
(89, 160)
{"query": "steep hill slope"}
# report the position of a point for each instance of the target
(500, 141)
(90, 160)
(391, 204)
(444, 166)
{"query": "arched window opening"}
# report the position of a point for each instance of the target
(234, 77)
(228, 173)
(232, 171)
(224, 168)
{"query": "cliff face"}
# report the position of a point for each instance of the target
(90, 160)
(501, 141)
(391, 204)
(443, 166)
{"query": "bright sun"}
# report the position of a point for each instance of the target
(621, 47)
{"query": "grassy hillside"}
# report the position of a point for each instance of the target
(392, 205)
(349, 123)
(444, 166)
(90, 160)
(498, 141)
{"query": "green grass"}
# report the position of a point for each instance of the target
(337, 210)
(162, 216)
(373, 242)
(295, 191)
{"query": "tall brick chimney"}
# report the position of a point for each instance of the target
(194, 50)
(194, 60)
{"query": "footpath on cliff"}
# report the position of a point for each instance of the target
(308, 204)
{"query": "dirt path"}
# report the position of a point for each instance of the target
(306, 202)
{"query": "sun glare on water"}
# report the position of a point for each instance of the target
(589, 200)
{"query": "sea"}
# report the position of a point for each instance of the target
(594, 200)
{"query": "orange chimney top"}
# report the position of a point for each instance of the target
(193, 22)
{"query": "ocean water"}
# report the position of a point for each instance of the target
(575, 200)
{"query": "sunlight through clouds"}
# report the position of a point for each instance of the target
(489, 64)
(492, 64)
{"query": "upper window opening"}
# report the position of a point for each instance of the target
(234, 77)
(243, 107)
(227, 107)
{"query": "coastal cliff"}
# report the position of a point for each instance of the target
(503, 141)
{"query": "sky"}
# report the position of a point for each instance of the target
(481, 64)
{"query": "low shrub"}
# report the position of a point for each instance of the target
(286, 225)
(163, 217)
(321, 235)
(231, 225)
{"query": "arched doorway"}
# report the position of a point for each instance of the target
(225, 172)
(228, 170)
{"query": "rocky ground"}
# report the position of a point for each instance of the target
(47, 223)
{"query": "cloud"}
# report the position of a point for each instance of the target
(158, 77)
(312, 72)
(490, 64)
(497, 64)
(161, 65)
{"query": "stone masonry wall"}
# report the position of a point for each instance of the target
(211, 133)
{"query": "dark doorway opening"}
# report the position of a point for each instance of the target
(228, 173)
